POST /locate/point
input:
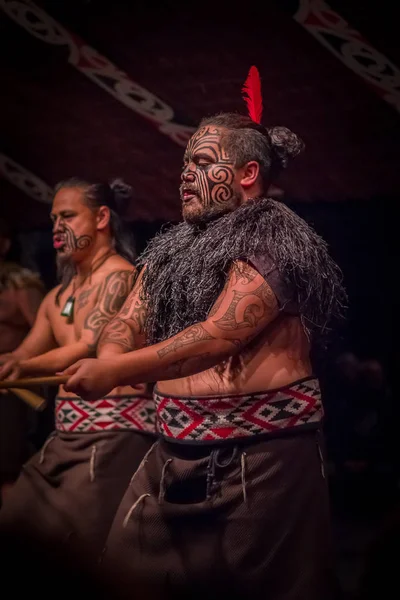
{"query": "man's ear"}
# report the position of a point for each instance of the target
(103, 217)
(250, 173)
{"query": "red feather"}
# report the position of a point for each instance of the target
(251, 92)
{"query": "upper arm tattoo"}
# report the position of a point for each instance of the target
(247, 307)
(128, 328)
(135, 310)
(254, 306)
(118, 332)
(111, 297)
(240, 273)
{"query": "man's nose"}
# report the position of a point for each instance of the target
(187, 176)
(57, 225)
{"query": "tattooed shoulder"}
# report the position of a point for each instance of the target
(112, 295)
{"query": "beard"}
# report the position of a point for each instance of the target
(187, 267)
(200, 213)
(66, 270)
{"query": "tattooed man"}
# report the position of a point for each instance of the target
(71, 489)
(232, 499)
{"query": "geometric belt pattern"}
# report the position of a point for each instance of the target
(112, 413)
(211, 418)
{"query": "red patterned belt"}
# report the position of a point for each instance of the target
(112, 413)
(218, 418)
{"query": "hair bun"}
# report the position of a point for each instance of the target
(285, 143)
(122, 193)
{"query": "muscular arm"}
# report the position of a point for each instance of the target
(125, 332)
(111, 297)
(245, 307)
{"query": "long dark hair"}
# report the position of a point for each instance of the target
(116, 196)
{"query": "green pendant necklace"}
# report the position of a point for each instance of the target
(68, 309)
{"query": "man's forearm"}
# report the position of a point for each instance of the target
(20, 354)
(23, 353)
(55, 360)
(193, 350)
(32, 347)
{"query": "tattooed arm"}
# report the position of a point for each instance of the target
(111, 296)
(245, 307)
(125, 332)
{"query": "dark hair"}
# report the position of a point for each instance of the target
(115, 195)
(246, 140)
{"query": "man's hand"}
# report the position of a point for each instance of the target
(10, 368)
(91, 378)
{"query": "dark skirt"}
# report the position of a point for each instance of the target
(249, 520)
(69, 492)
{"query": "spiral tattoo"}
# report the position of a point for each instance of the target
(211, 168)
(73, 243)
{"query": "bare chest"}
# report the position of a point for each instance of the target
(72, 315)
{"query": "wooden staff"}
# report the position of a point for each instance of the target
(36, 402)
(28, 382)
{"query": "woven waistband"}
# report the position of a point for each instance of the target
(112, 413)
(206, 419)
